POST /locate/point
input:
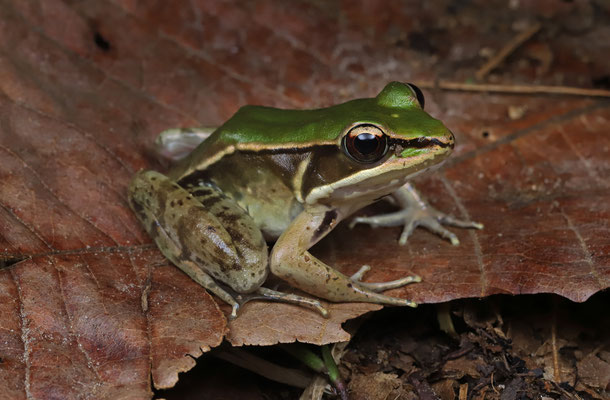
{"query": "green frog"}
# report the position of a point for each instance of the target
(289, 177)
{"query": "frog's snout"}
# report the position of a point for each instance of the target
(450, 139)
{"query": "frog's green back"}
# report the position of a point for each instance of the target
(274, 126)
(254, 128)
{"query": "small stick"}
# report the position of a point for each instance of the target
(463, 395)
(556, 368)
(260, 366)
(509, 48)
(517, 89)
(491, 380)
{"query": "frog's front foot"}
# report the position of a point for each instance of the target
(413, 217)
(416, 212)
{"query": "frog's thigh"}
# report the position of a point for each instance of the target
(291, 261)
(204, 233)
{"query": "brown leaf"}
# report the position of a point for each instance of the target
(445, 389)
(86, 86)
(595, 371)
(184, 321)
(377, 386)
(262, 323)
(106, 320)
(462, 366)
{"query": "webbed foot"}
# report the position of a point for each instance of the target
(381, 286)
(416, 212)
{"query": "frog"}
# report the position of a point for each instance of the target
(287, 177)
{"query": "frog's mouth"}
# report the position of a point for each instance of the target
(406, 159)
(404, 148)
(423, 142)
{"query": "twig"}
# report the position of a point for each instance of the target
(556, 369)
(517, 89)
(463, 395)
(506, 51)
(243, 359)
(491, 380)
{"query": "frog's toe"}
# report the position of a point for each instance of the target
(407, 230)
(434, 226)
(382, 286)
(391, 219)
(273, 295)
(459, 223)
(360, 273)
(234, 311)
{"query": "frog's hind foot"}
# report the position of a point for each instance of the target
(416, 212)
(376, 287)
(273, 295)
(382, 286)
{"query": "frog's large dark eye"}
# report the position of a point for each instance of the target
(365, 143)
(418, 94)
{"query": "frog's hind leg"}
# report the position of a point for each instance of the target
(291, 262)
(208, 237)
(205, 280)
(203, 233)
(416, 212)
(315, 277)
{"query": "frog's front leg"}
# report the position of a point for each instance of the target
(415, 211)
(291, 261)
(209, 237)
(175, 144)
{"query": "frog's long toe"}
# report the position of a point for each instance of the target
(433, 220)
(382, 286)
(360, 273)
(234, 310)
(430, 223)
(263, 293)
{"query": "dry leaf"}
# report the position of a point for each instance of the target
(89, 306)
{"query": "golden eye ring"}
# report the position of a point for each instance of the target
(365, 143)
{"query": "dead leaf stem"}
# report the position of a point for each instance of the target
(556, 369)
(513, 89)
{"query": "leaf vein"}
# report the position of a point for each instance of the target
(24, 337)
(483, 281)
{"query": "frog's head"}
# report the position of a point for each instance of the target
(388, 139)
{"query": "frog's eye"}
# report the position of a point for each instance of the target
(365, 143)
(418, 94)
